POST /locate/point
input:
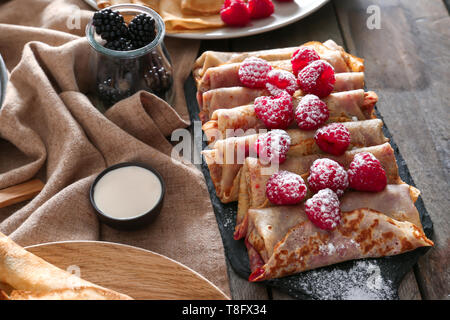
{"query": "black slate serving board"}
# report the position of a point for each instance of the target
(357, 279)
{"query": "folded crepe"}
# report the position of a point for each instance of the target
(205, 7)
(226, 94)
(227, 156)
(254, 177)
(31, 277)
(283, 241)
(180, 15)
(343, 106)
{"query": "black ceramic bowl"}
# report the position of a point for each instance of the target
(133, 222)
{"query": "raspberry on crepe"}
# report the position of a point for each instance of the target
(317, 78)
(302, 57)
(275, 112)
(311, 112)
(281, 80)
(273, 146)
(333, 138)
(285, 188)
(366, 173)
(326, 173)
(323, 209)
(253, 72)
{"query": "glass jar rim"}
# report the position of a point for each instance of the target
(160, 32)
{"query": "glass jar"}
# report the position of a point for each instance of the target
(120, 74)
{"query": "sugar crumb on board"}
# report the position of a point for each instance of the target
(363, 281)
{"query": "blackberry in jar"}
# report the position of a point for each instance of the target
(110, 25)
(130, 60)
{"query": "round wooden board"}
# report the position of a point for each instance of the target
(139, 273)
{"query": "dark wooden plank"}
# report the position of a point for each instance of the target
(409, 289)
(407, 65)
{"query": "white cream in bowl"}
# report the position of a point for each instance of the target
(127, 192)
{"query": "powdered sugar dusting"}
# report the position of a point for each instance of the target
(362, 281)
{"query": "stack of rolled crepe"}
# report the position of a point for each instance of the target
(281, 240)
(24, 276)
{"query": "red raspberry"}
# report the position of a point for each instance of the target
(317, 78)
(326, 173)
(276, 112)
(281, 80)
(260, 8)
(302, 57)
(323, 209)
(311, 112)
(253, 72)
(235, 13)
(333, 138)
(273, 146)
(285, 187)
(365, 173)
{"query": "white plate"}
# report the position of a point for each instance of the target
(285, 13)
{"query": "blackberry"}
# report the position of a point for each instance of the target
(120, 44)
(109, 94)
(110, 25)
(157, 77)
(142, 30)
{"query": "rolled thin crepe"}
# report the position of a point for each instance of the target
(343, 106)
(29, 274)
(229, 95)
(329, 51)
(227, 157)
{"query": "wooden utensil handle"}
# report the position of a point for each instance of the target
(20, 192)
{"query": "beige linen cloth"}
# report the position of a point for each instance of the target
(49, 129)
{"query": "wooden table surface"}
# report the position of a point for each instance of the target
(407, 65)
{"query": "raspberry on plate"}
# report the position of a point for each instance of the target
(317, 78)
(281, 80)
(235, 13)
(253, 72)
(326, 173)
(302, 57)
(366, 173)
(260, 8)
(275, 112)
(323, 209)
(273, 146)
(333, 138)
(311, 112)
(285, 188)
